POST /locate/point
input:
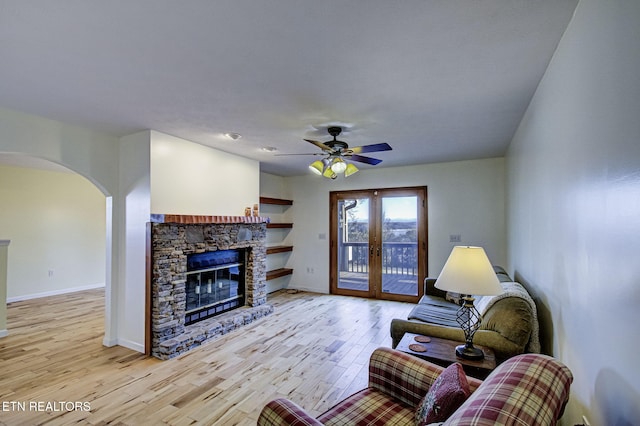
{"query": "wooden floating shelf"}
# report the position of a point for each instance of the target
(279, 225)
(279, 249)
(278, 201)
(277, 273)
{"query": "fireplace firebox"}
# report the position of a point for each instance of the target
(215, 283)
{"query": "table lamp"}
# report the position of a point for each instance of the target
(468, 272)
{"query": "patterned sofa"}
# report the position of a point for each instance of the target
(529, 389)
(509, 325)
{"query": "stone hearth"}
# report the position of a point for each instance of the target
(171, 240)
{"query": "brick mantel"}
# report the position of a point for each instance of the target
(199, 219)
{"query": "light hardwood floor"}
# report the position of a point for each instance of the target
(313, 349)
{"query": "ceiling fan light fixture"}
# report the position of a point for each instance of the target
(338, 165)
(317, 167)
(338, 152)
(351, 169)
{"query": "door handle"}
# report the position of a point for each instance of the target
(378, 251)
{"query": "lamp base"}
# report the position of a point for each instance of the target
(466, 352)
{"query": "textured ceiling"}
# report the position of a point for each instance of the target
(437, 80)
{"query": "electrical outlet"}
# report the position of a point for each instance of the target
(585, 421)
(455, 238)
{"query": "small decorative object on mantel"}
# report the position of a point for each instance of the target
(247, 211)
(256, 210)
(417, 347)
(422, 339)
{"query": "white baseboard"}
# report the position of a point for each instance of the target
(4, 333)
(53, 293)
(134, 346)
(307, 289)
(109, 342)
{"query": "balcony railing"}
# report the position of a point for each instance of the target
(399, 258)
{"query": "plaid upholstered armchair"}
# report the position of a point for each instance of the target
(533, 390)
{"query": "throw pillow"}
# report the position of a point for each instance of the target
(446, 395)
(454, 298)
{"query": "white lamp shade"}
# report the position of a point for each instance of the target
(468, 271)
(338, 165)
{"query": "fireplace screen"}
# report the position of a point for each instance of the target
(215, 283)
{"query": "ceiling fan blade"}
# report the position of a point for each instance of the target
(320, 145)
(308, 153)
(371, 148)
(363, 159)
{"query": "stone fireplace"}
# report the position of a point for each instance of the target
(176, 323)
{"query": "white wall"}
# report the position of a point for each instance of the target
(465, 198)
(189, 178)
(574, 209)
(134, 165)
(88, 153)
(56, 222)
(274, 186)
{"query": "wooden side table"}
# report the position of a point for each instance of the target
(443, 352)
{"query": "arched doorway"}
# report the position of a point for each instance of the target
(59, 217)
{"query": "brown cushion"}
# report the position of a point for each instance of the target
(512, 318)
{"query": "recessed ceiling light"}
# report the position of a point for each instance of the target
(269, 148)
(234, 136)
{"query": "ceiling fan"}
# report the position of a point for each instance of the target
(337, 151)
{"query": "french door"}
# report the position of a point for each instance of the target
(379, 243)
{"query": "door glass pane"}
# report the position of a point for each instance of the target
(400, 245)
(353, 244)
